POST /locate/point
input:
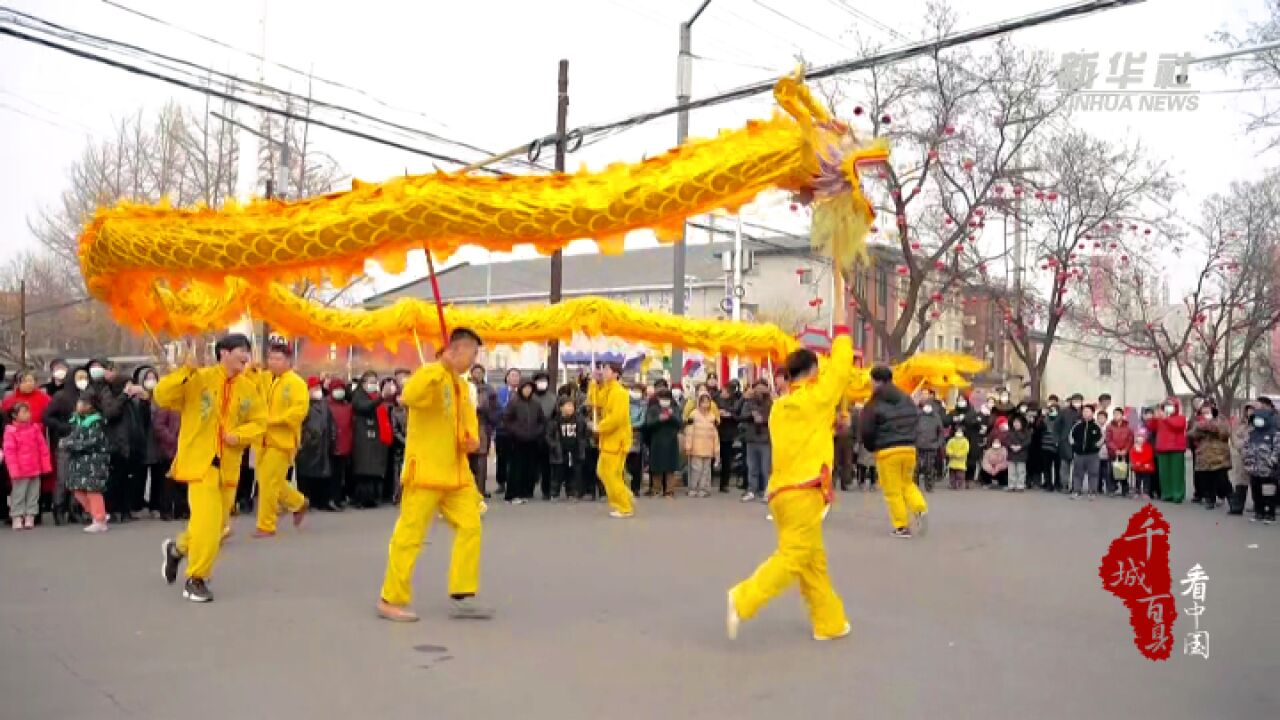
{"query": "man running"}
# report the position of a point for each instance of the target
(613, 403)
(222, 414)
(437, 479)
(889, 423)
(801, 431)
(287, 403)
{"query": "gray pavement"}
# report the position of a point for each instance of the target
(998, 613)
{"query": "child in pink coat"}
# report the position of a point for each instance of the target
(26, 452)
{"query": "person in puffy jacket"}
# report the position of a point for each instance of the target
(567, 435)
(754, 421)
(169, 497)
(26, 453)
(1170, 427)
(995, 462)
(889, 429)
(958, 458)
(1142, 464)
(1086, 441)
(1046, 447)
(314, 461)
(929, 439)
(1211, 438)
(525, 424)
(702, 444)
(1118, 439)
(58, 416)
(344, 431)
(1261, 459)
(88, 457)
(1019, 439)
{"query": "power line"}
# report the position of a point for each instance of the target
(799, 24)
(212, 92)
(199, 73)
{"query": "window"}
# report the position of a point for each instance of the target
(1104, 367)
(860, 336)
(882, 286)
(956, 344)
(860, 284)
(942, 343)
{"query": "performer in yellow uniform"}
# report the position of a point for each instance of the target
(801, 432)
(437, 479)
(613, 425)
(222, 414)
(287, 403)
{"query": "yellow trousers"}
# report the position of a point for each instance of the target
(210, 504)
(801, 556)
(274, 488)
(418, 507)
(615, 484)
(896, 470)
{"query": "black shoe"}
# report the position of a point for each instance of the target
(171, 561)
(166, 517)
(196, 591)
(724, 489)
(59, 516)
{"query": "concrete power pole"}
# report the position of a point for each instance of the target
(684, 86)
(557, 259)
(22, 324)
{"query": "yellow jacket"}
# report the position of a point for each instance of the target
(801, 422)
(441, 419)
(287, 402)
(613, 404)
(211, 405)
(957, 451)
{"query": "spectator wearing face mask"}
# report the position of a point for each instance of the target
(756, 408)
(638, 406)
(663, 422)
(1044, 465)
(995, 463)
(488, 416)
(370, 441)
(526, 425)
(27, 392)
(1170, 427)
(1086, 441)
(57, 418)
(729, 405)
(1211, 438)
(343, 439)
(1261, 459)
(1003, 407)
(929, 438)
(390, 412)
(546, 399)
(314, 461)
(503, 446)
(1118, 439)
(1019, 439)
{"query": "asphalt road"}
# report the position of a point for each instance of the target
(998, 613)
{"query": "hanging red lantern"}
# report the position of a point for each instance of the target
(998, 189)
(1133, 228)
(973, 223)
(1106, 227)
(935, 314)
(817, 302)
(979, 212)
(902, 304)
(946, 221)
(857, 110)
(933, 154)
(939, 265)
(968, 165)
(936, 297)
(1098, 244)
(1051, 196)
(1124, 258)
(1080, 246)
(915, 244)
(1112, 246)
(874, 229)
(903, 270)
(1039, 194)
(959, 247)
(970, 237)
(1072, 256)
(885, 119)
(1147, 231)
(949, 130)
(1017, 190)
(794, 207)
(1044, 266)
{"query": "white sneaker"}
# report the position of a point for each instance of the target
(96, 527)
(837, 636)
(769, 517)
(692, 493)
(619, 515)
(749, 497)
(17, 523)
(731, 619)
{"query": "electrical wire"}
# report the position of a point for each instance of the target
(213, 92)
(799, 24)
(199, 74)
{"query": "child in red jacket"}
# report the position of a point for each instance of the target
(1142, 463)
(26, 452)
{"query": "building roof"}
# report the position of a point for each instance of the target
(589, 274)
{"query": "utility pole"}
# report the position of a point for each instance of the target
(22, 324)
(684, 86)
(557, 258)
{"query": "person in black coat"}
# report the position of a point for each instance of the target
(729, 402)
(108, 393)
(57, 421)
(313, 463)
(663, 422)
(566, 437)
(371, 441)
(524, 423)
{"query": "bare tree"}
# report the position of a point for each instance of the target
(957, 122)
(1259, 69)
(1207, 342)
(1090, 199)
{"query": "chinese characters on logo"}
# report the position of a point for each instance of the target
(1136, 570)
(1196, 582)
(1123, 89)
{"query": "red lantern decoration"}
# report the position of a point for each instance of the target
(933, 154)
(1051, 196)
(1133, 228)
(1106, 227)
(946, 221)
(903, 270)
(1044, 266)
(794, 207)
(885, 119)
(935, 314)
(875, 229)
(949, 130)
(979, 212)
(1039, 194)
(936, 297)
(902, 304)
(915, 245)
(973, 223)
(959, 247)
(1124, 258)
(1147, 231)
(1098, 244)
(939, 265)
(1072, 256)
(857, 110)
(1017, 190)
(968, 165)
(998, 189)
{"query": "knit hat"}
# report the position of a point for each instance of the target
(335, 383)
(313, 382)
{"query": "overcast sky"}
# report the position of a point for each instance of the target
(485, 72)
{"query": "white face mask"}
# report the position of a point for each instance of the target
(986, 410)
(60, 374)
(927, 409)
(995, 445)
(81, 384)
(339, 394)
(97, 373)
(1004, 397)
(1259, 422)
(541, 386)
(149, 383)
(1168, 409)
(962, 403)
(664, 403)
(371, 388)
(635, 394)
(317, 394)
